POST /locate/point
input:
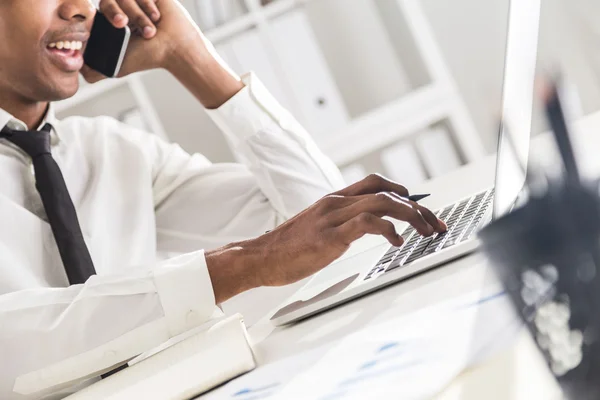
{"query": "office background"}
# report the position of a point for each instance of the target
(408, 88)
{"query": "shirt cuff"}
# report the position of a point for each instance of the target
(249, 111)
(185, 291)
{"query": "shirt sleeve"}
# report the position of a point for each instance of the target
(52, 338)
(281, 171)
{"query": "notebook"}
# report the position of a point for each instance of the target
(182, 368)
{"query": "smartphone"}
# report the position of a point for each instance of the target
(106, 46)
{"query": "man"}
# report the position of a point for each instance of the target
(129, 195)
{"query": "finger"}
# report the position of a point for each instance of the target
(373, 184)
(138, 18)
(367, 223)
(383, 204)
(437, 224)
(114, 13)
(332, 203)
(91, 75)
(386, 204)
(429, 216)
(150, 8)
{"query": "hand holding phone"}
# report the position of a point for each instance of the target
(106, 47)
(174, 40)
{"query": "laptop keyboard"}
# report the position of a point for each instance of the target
(463, 218)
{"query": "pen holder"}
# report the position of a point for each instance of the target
(547, 254)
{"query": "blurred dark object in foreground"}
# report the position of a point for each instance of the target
(547, 254)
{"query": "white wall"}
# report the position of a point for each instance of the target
(359, 52)
(364, 45)
(472, 37)
(472, 34)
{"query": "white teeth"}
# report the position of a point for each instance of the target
(70, 45)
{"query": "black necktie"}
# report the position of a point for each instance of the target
(59, 207)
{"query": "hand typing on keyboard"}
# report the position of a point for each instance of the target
(462, 219)
(320, 234)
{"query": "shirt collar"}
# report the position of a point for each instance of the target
(14, 123)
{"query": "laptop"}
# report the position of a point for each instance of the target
(381, 266)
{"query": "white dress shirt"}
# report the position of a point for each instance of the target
(136, 196)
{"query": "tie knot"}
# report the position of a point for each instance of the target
(34, 143)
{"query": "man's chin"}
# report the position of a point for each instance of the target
(64, 88)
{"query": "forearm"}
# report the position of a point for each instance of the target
(233, 269)
(201, 73)
(288, 166)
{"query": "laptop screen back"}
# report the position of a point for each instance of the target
(517, 102)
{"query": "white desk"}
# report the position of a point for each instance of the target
(439, 285)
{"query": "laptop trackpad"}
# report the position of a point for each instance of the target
(328, 292)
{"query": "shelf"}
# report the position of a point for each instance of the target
(230, 28)
(389, 123)
(91, 90)
(279, 7)
(247, 21)
(88, 92)
(215, 35)
(366, 134)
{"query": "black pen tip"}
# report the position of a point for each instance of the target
(418, 197)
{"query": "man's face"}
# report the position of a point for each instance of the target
(32, 63)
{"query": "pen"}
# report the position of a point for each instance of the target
(414, 197)
(418, 197)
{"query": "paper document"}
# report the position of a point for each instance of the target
(411, 357)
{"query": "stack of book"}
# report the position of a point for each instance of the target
(182, 368)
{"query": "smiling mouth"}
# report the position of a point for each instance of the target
(66, 45)
(67, 55)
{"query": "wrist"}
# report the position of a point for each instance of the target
(194, 66)
(191, 49)
(234, 269)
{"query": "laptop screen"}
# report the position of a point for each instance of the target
(517, 102)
